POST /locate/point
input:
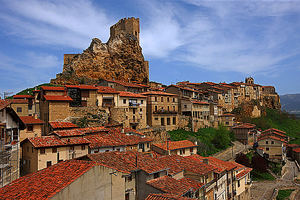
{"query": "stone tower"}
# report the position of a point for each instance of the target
(126, 26)
(249, 80)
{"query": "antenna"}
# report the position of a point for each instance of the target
(5, 94)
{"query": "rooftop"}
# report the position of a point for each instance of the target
(23, 97)
(4, 103)
(51, 88)
(53, 141)
(31, 120)
(82, 87)
(45, 183)
(80, 131)
(200, 102)
(158, 93)
(165, 196)
(62, 125)
(57, 98)
(173, 145)
(107, 90)
(130, 94)
(264, 137)
(245, 126)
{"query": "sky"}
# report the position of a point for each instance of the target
(195, 40)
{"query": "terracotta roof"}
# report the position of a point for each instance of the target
(82, 87)
(158, 93)
(77, 131)
(4, 103)
(127, 161)
(166, 196)
(107, 90)
(297, 150)
(19, 101)
(173, 145)
(127, 84)
(58, 98)
(45, 183)
(62, 125)
(245, 125)
(31, 120)
(52, 141)
(274, 129)
(293, 145)
(237, 165)
(227, 115)
(273, 132)
(183, 88)
(220, 165)
(270, 137)
(268, 86)
(51, 88)
(195, 185)
(200, 102)
(169, 185)
(243, 173)
(23, 96)
(130, 94)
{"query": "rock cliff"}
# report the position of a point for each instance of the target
(120, 58)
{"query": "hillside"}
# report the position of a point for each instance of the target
(290, 102)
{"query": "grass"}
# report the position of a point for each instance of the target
(261, 176)
(283, 194)
(275, 168)
(210, 140)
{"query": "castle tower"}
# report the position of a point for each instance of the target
(249, 80)
(126, 26)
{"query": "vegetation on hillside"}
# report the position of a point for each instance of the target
(279, 120)
(210, 140)
(283, 194)
(29, 91)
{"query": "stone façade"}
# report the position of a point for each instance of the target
(120, 58)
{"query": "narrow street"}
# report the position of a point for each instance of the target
(262, 190)
(229, 153)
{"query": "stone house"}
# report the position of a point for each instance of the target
(227, 120)
(273, 147)
(182, 148)
(107, 98)
(131, 110)
(162, 109)
(10, 127)
(242, 133)
(20, 106)
(276, 133)
(33, 127)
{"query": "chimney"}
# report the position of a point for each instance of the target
(205, 161)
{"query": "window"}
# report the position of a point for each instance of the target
(168, 121)
(272, 142)
(72, 148)
(174, 108)
(42, 151)
(155, 99)
(54, 150)
(156, 175)
(124, 101)
(156, 118)
(173, 99)
(267, 142)
(267, 149)
(19, 109)
(239, 183)
(155, 108)
(127, 196)
(148, 145)
(162, 99)
(141, 109)
(174, 120)
(82, 147)
(168, 99)
(29, 106)
(168, 108)
(180, 152)
(142, 101)
(183, 151)
(162, 120)
(192, 150)
(185, 106)
(129, 178)
(133, 111)
(29, 127)
(49, 163)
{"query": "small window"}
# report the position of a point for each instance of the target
(156, 118)
(173, 99)
(42, 151)
(54, 150)
(155, 98)
(72, 148)
(267, 149)
(142, 101)
(148, 145)
(168, 121)
(124, 101)
(127, 196)
(82, 147)
(49, 163)
(156, 175)
(155, 108)
(162, 99)
(174, 120)
(272, 142)
(141, 109)
(29, 127)
(129, 178)
(185, 106)
(183, 151)
(19, 109)
(267, 142)
(191, 150)
(168, 99)
(239, 183)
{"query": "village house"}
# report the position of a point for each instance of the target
(41, 152)
(107, 98)
(243, 133)
(276, 133)
(21, 106)
(227, 120)
(33, 127)
(182, 148)
(162, 109)
(273, 147)
(10, 127)
(71, 180)
(131, 110)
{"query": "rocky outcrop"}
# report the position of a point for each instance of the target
(120, 58)
(272, 102)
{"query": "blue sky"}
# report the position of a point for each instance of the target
(196, 40)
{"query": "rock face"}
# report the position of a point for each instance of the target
(120, 58)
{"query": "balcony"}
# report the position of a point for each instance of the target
(165, 112)
(133, 104)
(108, 105)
